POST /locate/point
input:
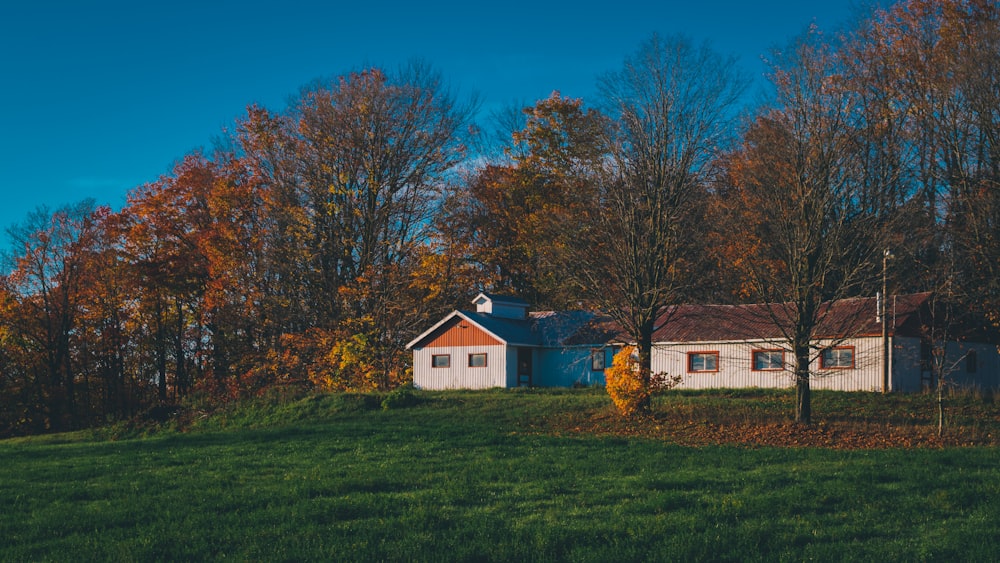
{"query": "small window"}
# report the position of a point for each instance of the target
(837, 358)
(441, 360)
(768, 360)
(597, 360)
(477, 360)
(703, 361)
(971, 363)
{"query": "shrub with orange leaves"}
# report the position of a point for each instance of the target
(625, 383)
(628, 387)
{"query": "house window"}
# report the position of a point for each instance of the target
(477, 360)
(971, 363)
(837, 358)
(609, 355)
(597, 360)
(441, 360)
(768, 360)
(703, 361)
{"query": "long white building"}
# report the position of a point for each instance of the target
(501, 344)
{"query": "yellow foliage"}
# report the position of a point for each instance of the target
(626, 384)
(629, 388)
(329, 361)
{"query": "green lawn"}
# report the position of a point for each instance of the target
(477, 477)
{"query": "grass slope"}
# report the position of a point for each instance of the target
(480, 477)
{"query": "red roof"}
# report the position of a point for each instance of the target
(844, 318)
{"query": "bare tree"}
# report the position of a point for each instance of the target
(670, 104)
(805, 203)
(940, 67)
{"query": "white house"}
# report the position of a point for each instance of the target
(502, 345)
(709, 346)
(736, 346)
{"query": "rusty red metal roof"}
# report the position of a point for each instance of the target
(844, 318)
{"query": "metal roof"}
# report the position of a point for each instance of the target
(840, 319)
(909, 315)
(549, 328)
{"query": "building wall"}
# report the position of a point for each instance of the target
(909, 375)
(735, 366)
(459, 375)
(510, 368)
(566, 367)
(459, 332)
(984, 374)
(906, 372)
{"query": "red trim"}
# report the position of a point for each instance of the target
(822, 357)
(485, 359)
(753, 359)
(706, 353)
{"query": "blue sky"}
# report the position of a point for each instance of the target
(98, 97)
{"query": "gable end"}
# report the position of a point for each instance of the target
(459, 332)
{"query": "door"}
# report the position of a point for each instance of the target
(524, 367)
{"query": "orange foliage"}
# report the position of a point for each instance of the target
(625, 383)
(325, 360)
(630, 389)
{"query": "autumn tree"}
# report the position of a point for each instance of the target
(509, 215)
(352, 173)
(105, 347)
(166, 224)
(941, 58)
(266, 147)
(670, 107)
(808, 210)
(42, 306)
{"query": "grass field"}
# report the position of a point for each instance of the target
(488, 476)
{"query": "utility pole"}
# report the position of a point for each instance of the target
(883, 314)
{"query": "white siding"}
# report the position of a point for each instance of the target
(460, 375)
(866, 375)
(735, 366)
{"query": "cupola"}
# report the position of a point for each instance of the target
(501, 306)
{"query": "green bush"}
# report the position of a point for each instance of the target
(400, 398)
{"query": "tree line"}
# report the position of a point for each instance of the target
(312, 243)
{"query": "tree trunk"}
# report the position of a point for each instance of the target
(803, 399)
(940, 407)
(161, 352)
(180, 372)
(645, 350)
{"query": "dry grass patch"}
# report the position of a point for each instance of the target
(757, 418)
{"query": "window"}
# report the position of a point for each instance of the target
(703, 361)
(971, 363)
(597, 361)
(441, 360)
(837, 358)
(477, 360)
(768, 360)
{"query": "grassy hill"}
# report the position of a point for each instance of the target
(501, 475)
